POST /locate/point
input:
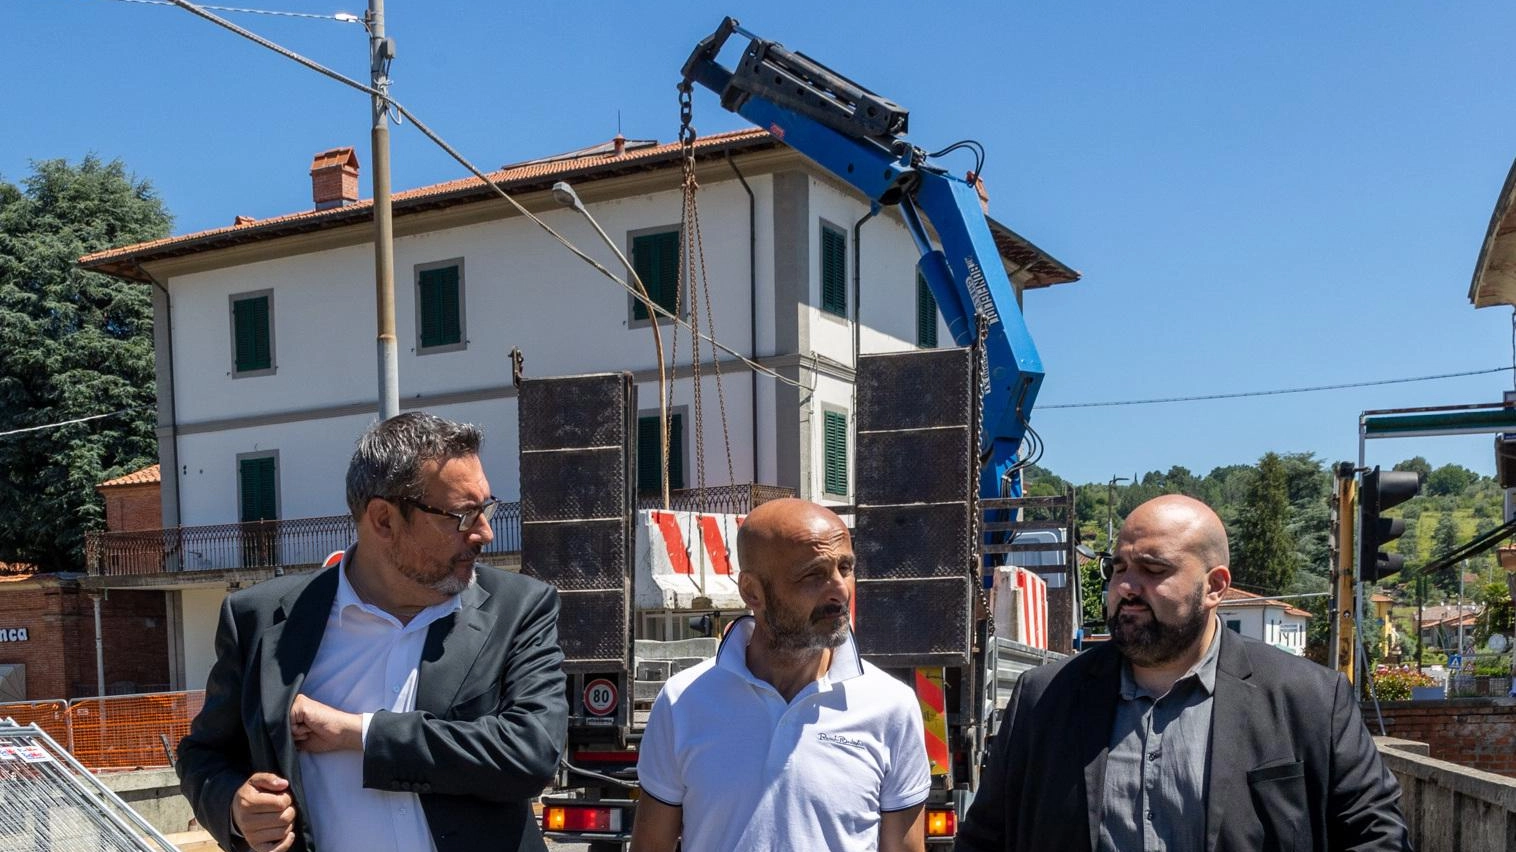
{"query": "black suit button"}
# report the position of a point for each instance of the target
(424, 788)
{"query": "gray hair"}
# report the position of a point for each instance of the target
(389, 457)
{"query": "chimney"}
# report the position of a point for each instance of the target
(334, 178)
(618, 145)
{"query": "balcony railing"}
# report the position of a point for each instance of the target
(306, 542)
(292, 543)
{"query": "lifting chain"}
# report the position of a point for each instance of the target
(695, 286)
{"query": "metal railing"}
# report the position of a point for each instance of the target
(287, 543)
(734, 499)
(306, 542)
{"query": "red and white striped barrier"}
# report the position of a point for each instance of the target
(682, 556)
(1021, 606)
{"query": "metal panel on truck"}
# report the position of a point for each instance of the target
(578, 492)
(916, 481)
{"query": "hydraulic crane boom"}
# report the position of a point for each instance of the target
(860, 137)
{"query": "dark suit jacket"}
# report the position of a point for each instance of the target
(485, 737)
(1291, 765)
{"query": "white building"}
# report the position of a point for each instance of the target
(265, 335)
(1271, 621)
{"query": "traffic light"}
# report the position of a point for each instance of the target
(1381, 491)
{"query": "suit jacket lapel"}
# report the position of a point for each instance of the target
(288, 649)
(452, 645)
(1232, 707)
(1094, 713)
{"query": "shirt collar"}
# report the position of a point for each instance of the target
(347, 597)
(1204, 670)
(846, 662)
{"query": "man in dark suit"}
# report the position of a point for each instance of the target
(1180, 733)
(405, 699)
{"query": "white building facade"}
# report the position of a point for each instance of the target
(1267, 620)
(265, 330)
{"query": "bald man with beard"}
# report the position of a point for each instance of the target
(787, 739)
(1179, 734)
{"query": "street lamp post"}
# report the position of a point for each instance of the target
(381, 51)
(1110, 509)
(565, 195)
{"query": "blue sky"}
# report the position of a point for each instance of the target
(1259, 196)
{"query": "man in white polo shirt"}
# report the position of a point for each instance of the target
(787, 739)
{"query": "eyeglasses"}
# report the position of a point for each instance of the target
(465, 520)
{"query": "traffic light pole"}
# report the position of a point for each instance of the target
(1340, 647)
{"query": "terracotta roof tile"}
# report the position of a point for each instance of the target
(146, 476)
(593, 162)
(1237, 597)
(533, 172)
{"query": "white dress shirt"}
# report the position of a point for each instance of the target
(367, 661)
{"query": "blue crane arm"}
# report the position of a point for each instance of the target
(860, 137)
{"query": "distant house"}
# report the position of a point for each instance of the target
(1265, 619)
(1439, 625)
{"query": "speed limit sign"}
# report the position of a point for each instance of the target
(600, 697)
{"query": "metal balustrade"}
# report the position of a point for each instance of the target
(306, 542)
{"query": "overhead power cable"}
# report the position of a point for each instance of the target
(463, 161)
(271, 12)
(66, 422)
(1279, 392)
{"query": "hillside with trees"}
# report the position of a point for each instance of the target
(1277, 514)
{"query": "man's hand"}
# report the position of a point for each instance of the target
(264, 812)
(319, 728)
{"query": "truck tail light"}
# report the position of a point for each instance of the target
(941, 822)
(581, 818)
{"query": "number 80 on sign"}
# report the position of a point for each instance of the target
(600, 697)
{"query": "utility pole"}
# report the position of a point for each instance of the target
(381, 51)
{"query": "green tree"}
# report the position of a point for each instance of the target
(1263, 551)
(1445, 541)
(73, 344)
(1450, 480)
(1417, 464)
(1495, 613)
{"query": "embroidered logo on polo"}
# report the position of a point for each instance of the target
(839, 739)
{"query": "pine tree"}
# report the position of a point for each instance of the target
(73, 344)
(1263, 551)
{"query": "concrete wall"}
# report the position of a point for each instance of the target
(1448, 807)
(201, 609)
(1475, 732)
(154, 795)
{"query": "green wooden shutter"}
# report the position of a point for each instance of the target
(250, 326)
(656, 259)
(926, 314)
(441, 311)
(834, 449)
(649, 455)
(833, 271)
(260, 499)
(676, 451)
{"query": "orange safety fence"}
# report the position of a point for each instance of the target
(129, 731)
(51, 716)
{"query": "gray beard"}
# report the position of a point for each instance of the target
(451, 585)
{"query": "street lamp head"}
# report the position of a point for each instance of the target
(347, 18)
(565, 195)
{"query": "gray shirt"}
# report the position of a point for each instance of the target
(1155, 784)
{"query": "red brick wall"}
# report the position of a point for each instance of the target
(59, 652)
(1474, 732)
(133, 507)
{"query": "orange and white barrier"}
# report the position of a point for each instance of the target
(684, 556)
(1021, 606)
